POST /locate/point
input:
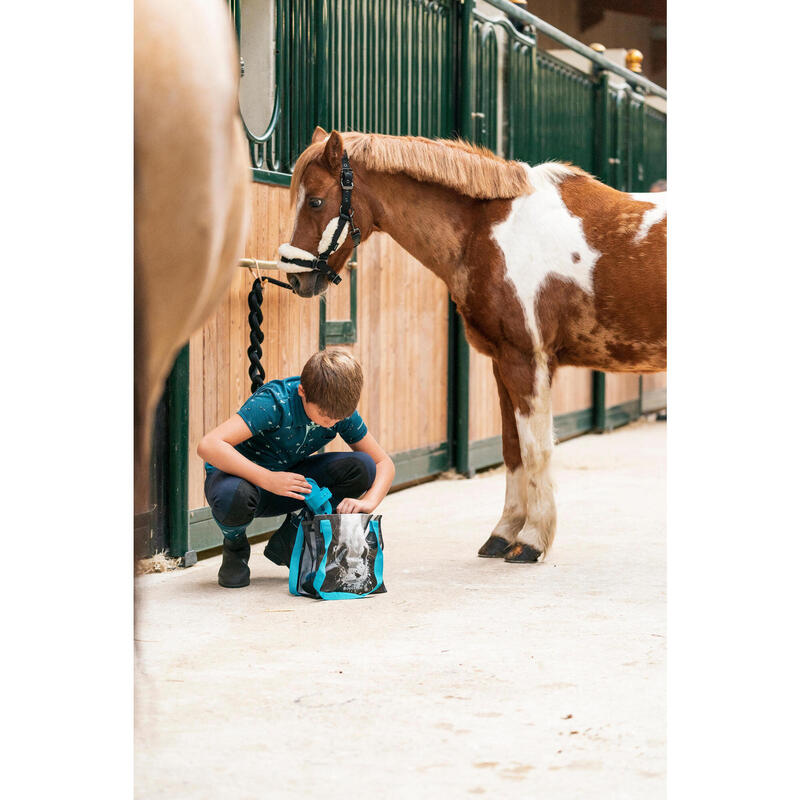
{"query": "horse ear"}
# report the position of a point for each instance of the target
(318, 135)
(334, 150)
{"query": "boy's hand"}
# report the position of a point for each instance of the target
(351, 506)
(287, 484)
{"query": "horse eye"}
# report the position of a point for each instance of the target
(316, 202)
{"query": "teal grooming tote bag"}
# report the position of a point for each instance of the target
(336, 556)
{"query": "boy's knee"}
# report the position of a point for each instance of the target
(235, 503)
(359, 471)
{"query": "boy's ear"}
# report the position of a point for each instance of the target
(318, 135)
(334, 150)
(300, 390)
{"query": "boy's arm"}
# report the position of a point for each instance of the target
(384, 475)
(217, 448)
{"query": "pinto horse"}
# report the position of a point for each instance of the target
(191, 184)
(546, 265)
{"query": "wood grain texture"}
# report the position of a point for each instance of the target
(572, 391)
(621, 388)
(654, 380)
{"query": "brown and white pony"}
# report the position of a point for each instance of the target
(547, 266)
(191, 184)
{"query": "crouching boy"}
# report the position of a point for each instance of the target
(257, 461)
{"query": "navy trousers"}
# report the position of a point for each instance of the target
(235, 502)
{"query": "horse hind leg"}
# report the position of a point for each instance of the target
(535, 429)
(513, 517)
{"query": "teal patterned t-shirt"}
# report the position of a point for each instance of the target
(283, 435)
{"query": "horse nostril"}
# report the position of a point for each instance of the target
(294, 282)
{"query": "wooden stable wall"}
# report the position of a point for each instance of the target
(402, 345)
(572, 396)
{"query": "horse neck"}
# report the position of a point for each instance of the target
(429, 221)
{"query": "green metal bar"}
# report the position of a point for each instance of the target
(321, 64)
(641, 396)
(598, 401)
(601, 168)
(452, 433)
(277, 178)
(177, 399)
(323, 327)
(459, 346)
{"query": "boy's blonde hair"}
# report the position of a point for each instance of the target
(332, 380)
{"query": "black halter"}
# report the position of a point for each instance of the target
(320, 263)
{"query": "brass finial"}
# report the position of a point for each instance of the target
(633, 60)
(597, 47)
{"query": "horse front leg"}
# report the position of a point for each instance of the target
(513, 517)
(534, 418)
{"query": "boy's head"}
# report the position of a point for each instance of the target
(331, 382)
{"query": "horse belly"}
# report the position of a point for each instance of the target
(582, 329)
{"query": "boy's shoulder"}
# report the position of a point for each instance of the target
(280, 387)
(272, 404)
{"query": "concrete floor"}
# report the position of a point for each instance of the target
(468, 677)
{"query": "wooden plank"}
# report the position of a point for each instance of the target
(621, 388)
(653, 381)
(572, 390)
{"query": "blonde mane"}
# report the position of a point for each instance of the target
(468, 169)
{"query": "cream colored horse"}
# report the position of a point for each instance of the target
(191, 184)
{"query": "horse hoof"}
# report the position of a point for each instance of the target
(522, 554)
(494, 547)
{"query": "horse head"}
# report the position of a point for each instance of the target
(333, 214)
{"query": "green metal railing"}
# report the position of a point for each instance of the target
(439, 68)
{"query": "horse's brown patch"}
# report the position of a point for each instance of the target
(629, 278)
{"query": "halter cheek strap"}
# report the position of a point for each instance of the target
(294, 256)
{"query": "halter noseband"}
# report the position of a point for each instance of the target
(319, 263)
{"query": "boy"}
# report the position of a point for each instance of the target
(257, 461)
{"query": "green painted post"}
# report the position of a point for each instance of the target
(464, 93)
(177, 398)
(601, 168)
(598, 401)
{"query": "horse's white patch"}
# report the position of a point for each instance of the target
(653, 215)
(540, 237)
(327, 235)
(552, 171)
(513, 516)
(290, 251)
(536, 444)
(301, 198)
